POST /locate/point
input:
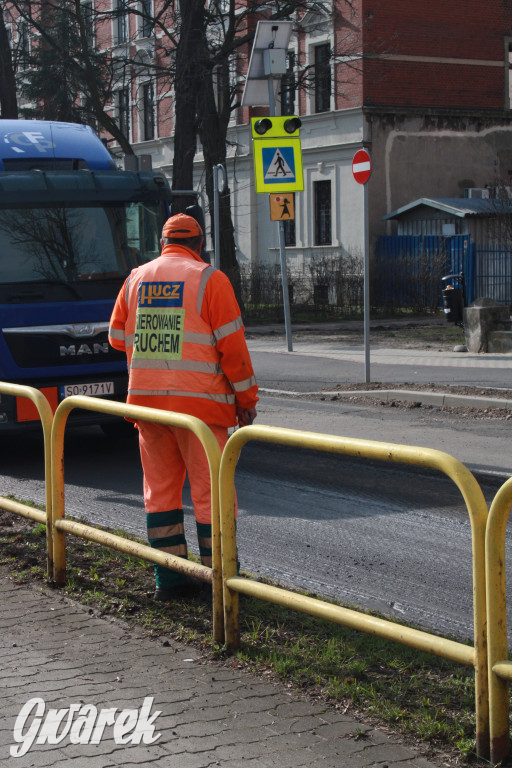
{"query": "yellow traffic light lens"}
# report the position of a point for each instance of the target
(262, 126)
(292, 125)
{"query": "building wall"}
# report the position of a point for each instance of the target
(442, 54)
(423, 87)
(417, 155)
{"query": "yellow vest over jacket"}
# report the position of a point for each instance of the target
(179, 323)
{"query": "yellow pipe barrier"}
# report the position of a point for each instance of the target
(347, 617)
(425, 457)
(500, 668)
(60, 525)
(46, 416)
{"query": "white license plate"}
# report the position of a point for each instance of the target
(93, 389)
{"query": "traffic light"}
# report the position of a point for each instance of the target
(275, 127)
(262, 126)
(292, 124)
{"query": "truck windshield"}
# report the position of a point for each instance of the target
(77, 245)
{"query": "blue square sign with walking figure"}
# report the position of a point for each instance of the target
(278, 165)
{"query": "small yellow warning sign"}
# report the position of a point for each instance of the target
(282, 207)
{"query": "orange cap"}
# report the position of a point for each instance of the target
(181, 225)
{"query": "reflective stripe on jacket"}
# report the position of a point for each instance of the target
(179, 323)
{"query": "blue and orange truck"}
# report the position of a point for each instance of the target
(72, 226)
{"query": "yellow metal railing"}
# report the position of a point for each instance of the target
(500, 668)
(475, 655)
(492, 674)
(61, 526)
(46, 417)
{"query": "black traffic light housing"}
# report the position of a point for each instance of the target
(262, 126)
(292, 124)
(276, 127)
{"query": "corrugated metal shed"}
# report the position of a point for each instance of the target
(453, 206)
(450, 216)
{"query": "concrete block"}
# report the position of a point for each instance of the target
(482, 317)
(500, 342)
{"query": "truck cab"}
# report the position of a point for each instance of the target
(72, 227)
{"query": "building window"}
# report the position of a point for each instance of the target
(146, 19)
(508, 73)
(23, 45)
(88, 20)
(289, 224)
(123, 111)
(289, 232)
(148, 112)
(224, 83)
(121, 21)
(322, 200)
(323, 78)
(288, 86)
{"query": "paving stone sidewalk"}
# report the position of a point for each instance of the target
(212, 714)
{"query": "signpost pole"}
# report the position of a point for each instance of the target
(282, 251)
(268, 61)
(361, 170)
(218, 188)
(366, 289)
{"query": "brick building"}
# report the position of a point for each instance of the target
(425, 88)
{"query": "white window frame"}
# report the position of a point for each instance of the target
(89, 21)
(508, 72)
(142, 112)
(117, 109)
(23, 28)
(313, 48)
(141, 21)
(116, 22)
(318, 180)
(293, 50)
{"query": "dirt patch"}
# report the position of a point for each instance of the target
(362, 394)
(429, 334)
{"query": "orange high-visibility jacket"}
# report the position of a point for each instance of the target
(179, 323)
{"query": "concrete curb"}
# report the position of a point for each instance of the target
(441, 399)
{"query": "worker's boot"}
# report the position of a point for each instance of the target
(167, 534)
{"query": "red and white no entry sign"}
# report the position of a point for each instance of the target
(361, 166)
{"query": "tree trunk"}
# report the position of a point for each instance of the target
(8, 100)
(186, 84)
(213, 133)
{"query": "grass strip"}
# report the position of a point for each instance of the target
(419, 696)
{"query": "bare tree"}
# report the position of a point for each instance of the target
(67, 78)
(202, 49)
(8, 94)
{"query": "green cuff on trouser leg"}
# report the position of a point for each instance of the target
(204, 539)
(167, 533)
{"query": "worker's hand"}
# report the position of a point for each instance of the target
(244, 416)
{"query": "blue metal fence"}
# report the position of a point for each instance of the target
(408, 270)
(493, 274)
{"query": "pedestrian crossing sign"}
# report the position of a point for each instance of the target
(278, 164)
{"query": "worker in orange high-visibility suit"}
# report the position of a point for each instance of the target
(179, 322)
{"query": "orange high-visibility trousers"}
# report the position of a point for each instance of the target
(167, 455)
